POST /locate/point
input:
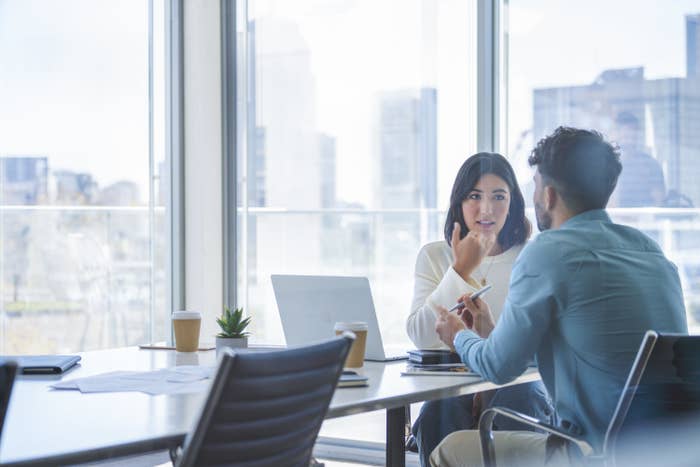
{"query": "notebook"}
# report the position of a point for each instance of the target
(350, 379)
(433, 356)
(43, 364)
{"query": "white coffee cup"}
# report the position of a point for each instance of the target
(186, 325)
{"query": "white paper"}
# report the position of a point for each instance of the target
(178, 380)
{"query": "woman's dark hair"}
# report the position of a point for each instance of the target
(517, 228)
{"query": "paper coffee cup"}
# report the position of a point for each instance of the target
(356, 357)
(186, 325)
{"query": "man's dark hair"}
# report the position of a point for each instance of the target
(580, 165)
(517, 228)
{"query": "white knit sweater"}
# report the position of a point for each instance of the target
(437, 283)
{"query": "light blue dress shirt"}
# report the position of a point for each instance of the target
(581, 297)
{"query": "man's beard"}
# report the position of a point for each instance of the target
(544, 220)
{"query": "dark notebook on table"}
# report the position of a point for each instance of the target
(432, 357)
(43, 364)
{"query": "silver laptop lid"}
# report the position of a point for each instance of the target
(309, 307)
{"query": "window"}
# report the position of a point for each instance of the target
(82, 175)
(358, 116)
(630, 70)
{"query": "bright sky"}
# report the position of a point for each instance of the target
(73, 79)
(360, 48)
(74, 85)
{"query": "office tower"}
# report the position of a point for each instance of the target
(668, 112)
(283, 162)
(692, 45)
(407, 129)
(23, 180)
(406, 178)
(285, 106)
(75, 187)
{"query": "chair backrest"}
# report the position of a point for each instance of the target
(266, 408)
(8, 370)
(662, 389)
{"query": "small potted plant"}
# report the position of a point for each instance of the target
(233, 332)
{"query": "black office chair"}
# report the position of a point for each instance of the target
(266, 408)
(661, 397)
(8, 370)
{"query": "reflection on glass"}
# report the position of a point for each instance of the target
(637, 81)
(348, 105)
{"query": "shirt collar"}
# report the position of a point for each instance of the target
(587, 216)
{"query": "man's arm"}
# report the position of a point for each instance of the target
(525, 321)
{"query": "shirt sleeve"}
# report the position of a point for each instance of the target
(433, 286)
(526, 318)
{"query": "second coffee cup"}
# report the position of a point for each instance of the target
(356, 357)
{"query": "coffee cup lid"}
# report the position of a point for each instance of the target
(351, 326)
(186, 315)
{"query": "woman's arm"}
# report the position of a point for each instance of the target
(436, 283)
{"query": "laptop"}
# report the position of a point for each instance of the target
(309, 307)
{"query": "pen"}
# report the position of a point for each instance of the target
(474, 296)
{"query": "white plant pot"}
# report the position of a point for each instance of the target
(231, 342)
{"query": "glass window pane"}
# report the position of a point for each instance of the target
(633, 74)
(358, 116)
(82, 236)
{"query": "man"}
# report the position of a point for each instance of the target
(582, 294)
(642, 180)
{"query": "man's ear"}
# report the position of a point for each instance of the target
(551, 197)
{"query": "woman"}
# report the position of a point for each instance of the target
(485, 230)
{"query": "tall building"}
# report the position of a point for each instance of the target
(407, 173)
(23, 180)
(75, 187)
(668, 111)
(284, 162)
(692, 45)
(407, 129)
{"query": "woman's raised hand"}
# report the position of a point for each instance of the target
(469, 251)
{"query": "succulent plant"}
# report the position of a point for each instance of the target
(233, 324)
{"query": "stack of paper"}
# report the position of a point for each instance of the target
(179, 380)
(438, 369)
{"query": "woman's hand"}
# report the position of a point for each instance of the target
(469, 251)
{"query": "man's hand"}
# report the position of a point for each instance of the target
(480, 318)
(469, 251)
(447, 326)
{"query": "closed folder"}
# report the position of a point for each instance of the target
(43, 364)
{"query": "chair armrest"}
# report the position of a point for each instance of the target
(488, 451)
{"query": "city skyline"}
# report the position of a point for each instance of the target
(667, 111)
(426, 68)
